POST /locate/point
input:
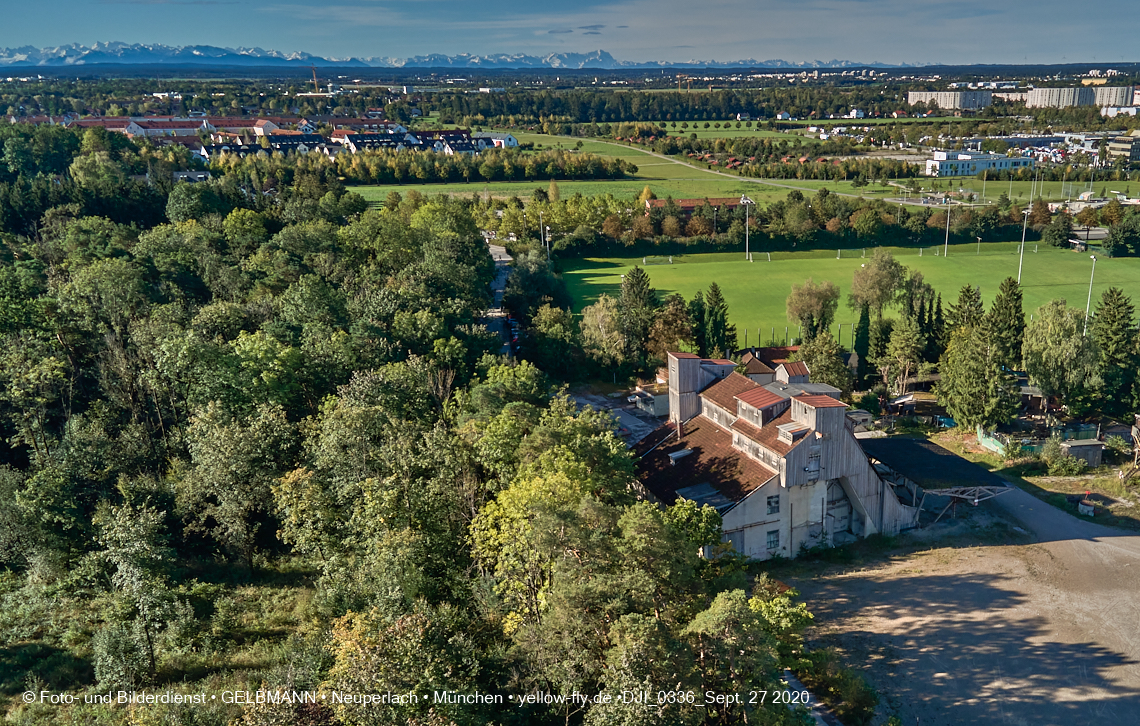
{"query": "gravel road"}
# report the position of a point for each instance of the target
(1040, 633)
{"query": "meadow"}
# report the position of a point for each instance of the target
(684, 180)
(756, 291)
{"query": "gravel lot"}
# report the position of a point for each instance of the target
(1041, 632)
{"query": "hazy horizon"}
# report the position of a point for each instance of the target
(863, 31)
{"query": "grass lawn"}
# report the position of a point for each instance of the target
(756, 292)
(664, 177)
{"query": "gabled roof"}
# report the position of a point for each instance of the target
(760, 398)
(724, 392)
(754, 366)
(712, 461)
(821, 401)
(796, 368)
(776, 355)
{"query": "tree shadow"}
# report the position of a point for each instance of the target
(959, 649)
(58, 668)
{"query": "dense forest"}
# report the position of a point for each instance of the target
(256, 436)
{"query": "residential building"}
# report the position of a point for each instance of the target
(501, 140)
(779, 462)
(1060, 97)
(952, 100)
(686, 207)
(972, 163)
(855, 113)
(171, 127)
(1112, 96)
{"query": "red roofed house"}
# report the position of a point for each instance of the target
(780, 462)
(688, 206)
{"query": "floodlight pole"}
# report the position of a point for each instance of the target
(1088, 305)
(746, 202)
(1021, 259)
(946, 244)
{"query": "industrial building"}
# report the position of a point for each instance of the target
(957, 100)
(779, 462)
(972, 163)
(1125, 147)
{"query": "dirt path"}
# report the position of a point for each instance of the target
(1043, 633)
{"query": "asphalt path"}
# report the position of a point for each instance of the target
(495, 318)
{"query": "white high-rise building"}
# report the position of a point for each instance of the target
(957, 100)
(1060, 97)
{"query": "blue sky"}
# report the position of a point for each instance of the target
(892, 31)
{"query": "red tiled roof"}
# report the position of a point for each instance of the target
(818, 401)
(760, 398)
(724, 392)
(169, 124)
(713, 461)
(769, 435)
(776, 355)
(686, 356)
(694, 203)
(754, 365)
(797, 368)
(720, 361)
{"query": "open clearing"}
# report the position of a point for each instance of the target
(1044, 633)
(756, 292)
(681, 179)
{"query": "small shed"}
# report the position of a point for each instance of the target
(860, 417)
(1090, 451)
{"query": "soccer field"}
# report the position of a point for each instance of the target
(756, 291)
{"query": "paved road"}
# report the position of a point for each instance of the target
(1038, 634)
(496, 319)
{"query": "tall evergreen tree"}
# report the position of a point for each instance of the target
(938, 338)
(968, 311)
(1005, 324)
(861, 343)
(1114, 330)
(974, 389)
(719, 335)
(697, 316)
(638, 305)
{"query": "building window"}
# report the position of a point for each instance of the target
(774, 539)
(774, 504)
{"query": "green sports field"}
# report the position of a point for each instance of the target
(756, 291)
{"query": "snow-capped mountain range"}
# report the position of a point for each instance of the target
(208, 55)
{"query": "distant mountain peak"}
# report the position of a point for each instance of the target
(115, 52)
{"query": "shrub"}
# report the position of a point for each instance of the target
(1066, 466)
(869, 402)
(846, 692)
(1058, 462)
(1117, 447)
(120, 656)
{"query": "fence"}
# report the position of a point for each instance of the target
(997, 442)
